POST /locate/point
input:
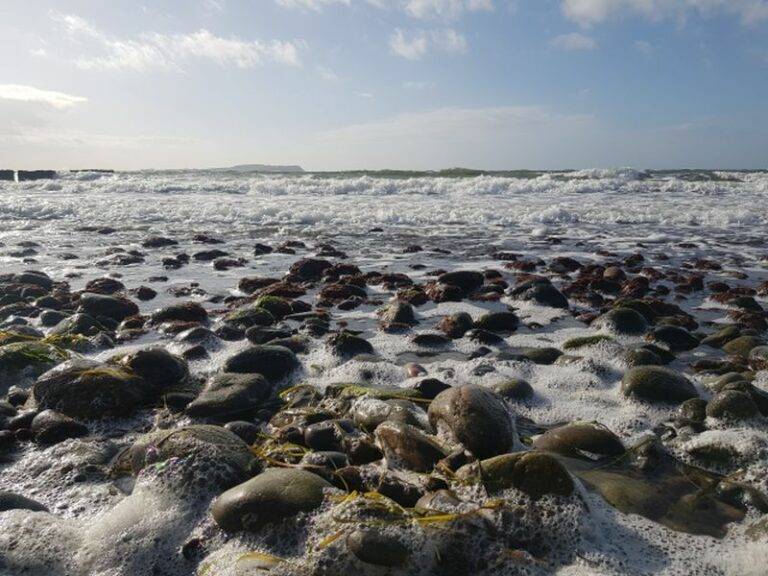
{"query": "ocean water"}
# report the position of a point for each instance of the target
(74, 226)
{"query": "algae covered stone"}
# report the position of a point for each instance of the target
(657, 384)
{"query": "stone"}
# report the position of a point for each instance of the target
(578, 438)
(13, 501)
(398, 313)
(657, 384)
(227, 396)
(273, 362)
(467, 280)
(515, 389)
(498, 322)
(373, 545)
(456, 325)
(743, 345)
(541, 291)
(406, 444)
(49, 427)
(270, 497)
(346, 345)
(676, 338)
(161, 369)
(183, 312)
(476, 417)
(623, 321)
(114, 307)
(732, 405)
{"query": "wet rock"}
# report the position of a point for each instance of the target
(158, 367)
(158, 242)
(398, 313)
(578, 438)
(732, 405)
(13, 501)
(466, 280)
(88, 389)
(145, 293)
(373, 545)
(346, 345)
(209, 255)
(623, 321)
(758, 358)
(249, 316)
(183, 312)
(585, 341)
(309, 269)
(743, 345)
(642, 357)
(406, 444)
(657, 384)
(265, 335)
(275, 305)
(246, 431)
(272, 362)
(498, 322)
(535, 473)
(113, 307)
(541, 291)
(692, 412)
(49, 427)
(270, 497)
(456, 325)
(678, 339)
(429, 388)
(515, 389)
(722, 337)
(476, 417)
(431, 340)
(228, 459)
(226, 396)
(26, 361)
(79, 324)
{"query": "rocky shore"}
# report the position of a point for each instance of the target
(592, 414)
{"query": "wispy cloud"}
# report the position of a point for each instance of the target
(21, 93)
(415, 44)
(573, 42)
(421, 9)
(591, 12)
(154, 50)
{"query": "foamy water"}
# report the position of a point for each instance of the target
(100, 529)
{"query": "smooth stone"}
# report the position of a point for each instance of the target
(50, 427)
(678, 339)
(375, 546)
(113, 307)
(732, 405)
(228, 395)
(408, 445)
(498, 322)
(272, 496)
(347, 345)
(477, 417)
(657, 384)
(623, 321)
(272, 362)
(516, 389)
(13, 501)
(579, 437)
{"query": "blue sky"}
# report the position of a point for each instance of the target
(412, 84)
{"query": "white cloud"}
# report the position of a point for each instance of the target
(154, 50)
(422, 9)
(573, 41)
(22, 93)
(414, 45)
(445, 9)
(590, 12)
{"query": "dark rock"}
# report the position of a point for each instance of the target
(467, 280)
(247, 431)
(183, 312)
(112, 307)
(230, 395)
(623, 321)
(678, 339)
(429, 388)
(541, 291)
(309, 269)
(270, 497)
(477, 417)
(346, 345)
(398, 313)
(732, 405)
(158, 242)
(272, 362)
(12, 501)
(578, 438)
(456, 325)
(157, 366)
(657, 384)
(515, 389)
(374, 546)
(406, 444)
(498, 322)
(49, 427)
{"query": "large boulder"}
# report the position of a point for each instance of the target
(158, 367)
(657, 384)
(541, 291)
(183, 312)
(476, 417)
(623, 321)
(272, 496)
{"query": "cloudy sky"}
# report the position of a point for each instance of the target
(419, 84)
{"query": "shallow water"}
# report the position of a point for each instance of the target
(102, 527)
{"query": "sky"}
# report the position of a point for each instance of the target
(404, 84)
